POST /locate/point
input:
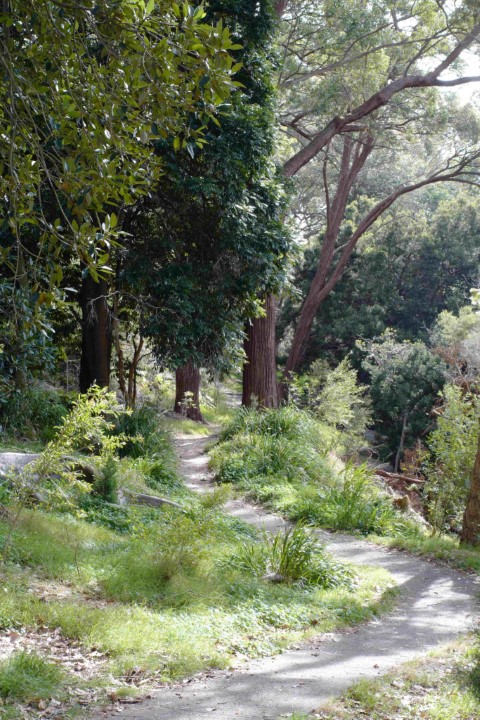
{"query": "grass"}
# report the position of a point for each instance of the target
(169, 604)
(445, 684)
(282, 459)
(164, 593)
(27, 677)
(443, 548)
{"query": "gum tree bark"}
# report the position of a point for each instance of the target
(471, 518)
(187, 392)
(96, 334)
(259, 371)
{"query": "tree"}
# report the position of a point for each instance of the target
(350, 81)
(259, 382)
(209, 240)
(86, 87)
(405, 381)
(471, 519)
(418, 261)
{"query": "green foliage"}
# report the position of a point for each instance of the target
(450, 329)
(282, 458)
(148, 438)
(354, 502)
(336, 398)
(421, 261)
(171, 591)
(283, 446)
(27, 677)
(33, 413)
(106, 484)
(405, 380)
(449, 463)
(82, 66)
(294, 555)
(55, 474)
(211, 237)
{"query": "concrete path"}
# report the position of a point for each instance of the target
(435, 605)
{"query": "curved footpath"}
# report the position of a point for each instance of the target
(435, 605)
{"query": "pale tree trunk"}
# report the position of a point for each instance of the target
(471, 518)
(259, 370)
(187, 392)
(96, 334)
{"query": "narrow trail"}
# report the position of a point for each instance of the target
(435, 605)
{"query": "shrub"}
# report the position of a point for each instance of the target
(34, 413)
(284, 445)
(405, 380)
(337, 399)
(105, 485)
(452, 447)
(145, 434)
(294, 555)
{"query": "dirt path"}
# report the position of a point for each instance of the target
(435, 605)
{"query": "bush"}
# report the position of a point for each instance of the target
(449, 464)
(105, 485)
(284, 445)
(34, 413)
(294, 555)
(281, 458)
(145, 433)
(337, 399)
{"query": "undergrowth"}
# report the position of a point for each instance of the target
(283, 459)
(165, 592)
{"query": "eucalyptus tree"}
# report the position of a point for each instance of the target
(84, 88)
(419, 260)
(355, 78)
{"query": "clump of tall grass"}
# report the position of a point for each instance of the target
(284, 445)
(294, 555)
(354, 502)
(27, 676)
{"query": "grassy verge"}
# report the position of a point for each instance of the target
(446, 684)
(283, 459)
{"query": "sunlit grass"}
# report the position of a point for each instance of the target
(167, 603)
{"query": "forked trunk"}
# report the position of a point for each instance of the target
(187, 392)
(471, 518)
(96, 334)
(259, 370)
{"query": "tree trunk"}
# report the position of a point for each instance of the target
(187, 392)
(259, 370)
(471, 518)
(96, 334)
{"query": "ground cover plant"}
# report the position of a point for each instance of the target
(445, 684)
(159, 593)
